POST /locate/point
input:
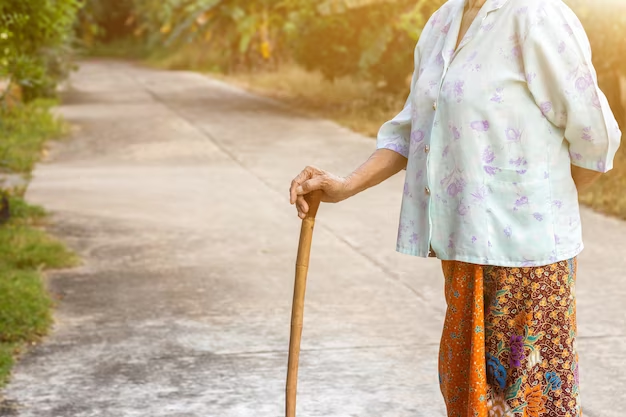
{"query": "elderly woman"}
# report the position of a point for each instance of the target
(503, 126)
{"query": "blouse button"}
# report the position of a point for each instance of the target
(427, 190)
(435, 105)
(427, 149)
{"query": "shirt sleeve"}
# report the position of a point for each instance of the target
(561, 77)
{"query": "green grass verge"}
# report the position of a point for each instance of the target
(25, 249)
(23, 131)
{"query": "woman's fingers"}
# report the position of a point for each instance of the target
(315, 183)
(310, 179)
(302, 205)
(306, 174)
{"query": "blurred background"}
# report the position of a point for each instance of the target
(349, 61)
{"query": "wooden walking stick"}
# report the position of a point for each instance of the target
(297, 308)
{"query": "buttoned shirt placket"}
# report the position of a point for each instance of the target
(452, 36)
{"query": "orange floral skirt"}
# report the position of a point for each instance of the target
(508, 347)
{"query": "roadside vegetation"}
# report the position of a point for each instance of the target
(35, 52)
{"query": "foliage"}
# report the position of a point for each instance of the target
(34, 43)
(24, 301)
(23, 130)
(376, 40)
(25, 249)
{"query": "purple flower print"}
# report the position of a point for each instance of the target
(450, 244)
(435, 19)
(523, 200)
(456, 133)
(401, 149)
(538, 216)
(456, 187)
(491, 170)
(595, 100)
(497, 96)
(488, 27)
(488, 155)
(480, 125)
(517, 351)
(522, 10)
(519, 161)
(474, 239)
(557, 240)
(445, 151)
(516, 51)
(458, 90)
(417, 136)
(406, 189)
(583, 83)
(419, 174)
(568, 29)
(439, 59)
(557, 203)
(514, 135)
(575, 155)
(489, 243)
(414, 239)
(546, 108)
(508, 232)
(587, 134)
(446, 28)
(562, 47)
(576, 375)
(601, 166)
(530, 77)
(463, 209)
(480, 194)
(546, 175)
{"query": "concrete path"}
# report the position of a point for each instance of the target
(173, 188)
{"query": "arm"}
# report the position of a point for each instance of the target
(381, 165)
(584, 178)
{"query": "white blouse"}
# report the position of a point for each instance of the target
(490, 131)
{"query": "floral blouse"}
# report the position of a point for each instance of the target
(490, 130)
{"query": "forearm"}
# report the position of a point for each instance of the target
(383, 164)
(583, 178)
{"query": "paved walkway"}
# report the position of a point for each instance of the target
(174, 190)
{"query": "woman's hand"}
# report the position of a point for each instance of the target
(334, 188)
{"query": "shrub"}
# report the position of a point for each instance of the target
(35, 38)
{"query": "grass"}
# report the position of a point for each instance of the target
(25, 249)
(23, 131)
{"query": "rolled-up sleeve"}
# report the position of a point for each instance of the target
(395, 134)
(557, 59)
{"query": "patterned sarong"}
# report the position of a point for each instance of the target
(508, 347)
